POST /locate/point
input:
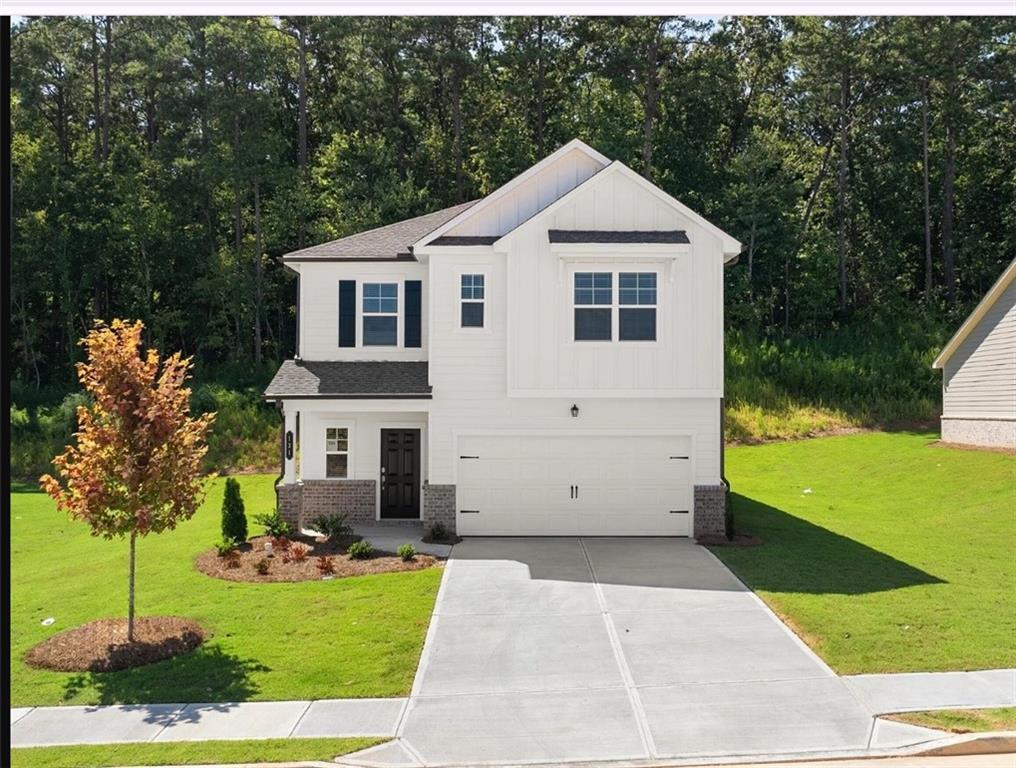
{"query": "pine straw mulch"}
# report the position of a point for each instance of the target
(283, 566)
(101, 646)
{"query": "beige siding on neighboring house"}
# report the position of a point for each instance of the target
(980, 377)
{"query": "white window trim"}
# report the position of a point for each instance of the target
(486, 327)
(349, 449)
(400, 309)
(615, 305)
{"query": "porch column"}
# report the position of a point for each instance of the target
(289, 446)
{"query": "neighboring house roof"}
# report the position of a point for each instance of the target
(617, 236)
(388, 243)
(349, 380)
(993, 295)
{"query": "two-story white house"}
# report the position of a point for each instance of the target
(547, 360)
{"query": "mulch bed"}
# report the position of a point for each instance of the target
(719, 540)
(101, 646)
(283, 566)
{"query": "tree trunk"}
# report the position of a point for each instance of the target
(130, 591)
(107, 87)
(751, 252)
(948, 203)
(97, 129)
(258, 288)
(651, 99)
(237, 227)
(539, 87)
(927, 191)
(812, 196)
(842, 182)
(302, 129)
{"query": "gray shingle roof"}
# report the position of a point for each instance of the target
(390, 242)
(465, 240)
(618, 236)
(342, 379)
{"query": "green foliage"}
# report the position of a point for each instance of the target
(234, 521)
(273, 523)
(406, 551)
(187, 753)
(360, 550)
(225, 547)
(332, 526)
(437, 532)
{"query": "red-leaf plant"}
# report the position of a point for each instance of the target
(136, 467)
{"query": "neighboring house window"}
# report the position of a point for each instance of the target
(594, 294)
(636, 314)
(471, 293)
(337, 452)
(380, 314)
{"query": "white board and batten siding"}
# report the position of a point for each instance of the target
(319, 308)
(980, 376)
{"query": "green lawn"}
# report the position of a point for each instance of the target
(186, 753)
(352, 637)
(900, 559)
(963, 720)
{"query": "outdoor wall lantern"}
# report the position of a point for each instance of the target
(574, 410)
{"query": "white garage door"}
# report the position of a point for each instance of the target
(574, 485)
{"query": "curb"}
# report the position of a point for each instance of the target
(989, 743)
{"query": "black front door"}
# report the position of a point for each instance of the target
(400, 473)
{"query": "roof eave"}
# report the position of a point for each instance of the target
(975, 317)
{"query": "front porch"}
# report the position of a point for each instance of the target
(355, 441)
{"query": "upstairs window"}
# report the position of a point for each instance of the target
(380, 314)
(472, 301)
(594, 297)
(337, 452)
(636, 314)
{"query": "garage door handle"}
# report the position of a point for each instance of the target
(679, 457)
(576, 491)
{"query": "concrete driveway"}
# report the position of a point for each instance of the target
(567, 649)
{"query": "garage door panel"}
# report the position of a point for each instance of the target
(522, 485)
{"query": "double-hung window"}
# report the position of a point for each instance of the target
(595, 307)
(472, 301)
(380, 314)
(594, 297)
(636, 313)
(337, 452)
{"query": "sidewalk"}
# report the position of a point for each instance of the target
(49, 726)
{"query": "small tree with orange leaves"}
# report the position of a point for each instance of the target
(136, 467)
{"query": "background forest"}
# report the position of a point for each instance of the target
(162, 165)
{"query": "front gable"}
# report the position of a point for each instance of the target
(523, 197)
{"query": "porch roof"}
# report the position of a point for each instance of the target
(304, 379)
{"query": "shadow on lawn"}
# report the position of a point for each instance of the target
(209, 674)
(798, 556)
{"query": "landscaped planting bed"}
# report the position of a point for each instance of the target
(302, 558)
(359, 636)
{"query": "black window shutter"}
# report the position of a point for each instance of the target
(414, 314)
(347, 313)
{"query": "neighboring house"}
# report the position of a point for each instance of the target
(547, 360)
(979, 371)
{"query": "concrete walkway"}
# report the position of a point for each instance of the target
(47, 726)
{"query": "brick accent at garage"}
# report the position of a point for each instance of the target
(439, 506)
(302, 503)
(710, 509)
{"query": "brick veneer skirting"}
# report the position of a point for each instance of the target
(303, 502)
(710, 509)
(439, 506)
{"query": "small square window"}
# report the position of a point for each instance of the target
(380, 298)
(380, 331)
(637, 288)
(472, 287)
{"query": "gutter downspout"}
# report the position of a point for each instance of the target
(723, 454)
